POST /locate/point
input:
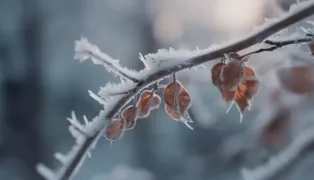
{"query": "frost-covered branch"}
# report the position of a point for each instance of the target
(85, 50)
(279, 165)
(167, 65)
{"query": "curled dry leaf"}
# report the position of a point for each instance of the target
(250, 83)
(144, 112)
(155, 102)
(129, 116)
(147, 102)
(226, 93)
(246, 89)
(143, 104)
(114, 129)
(216, 71)
(171, 92)
(297, 79)
(177, 100)
(144, 99)
(235, 81)
(232, 73)
(172, 113)
(240, 99)
(184, 100)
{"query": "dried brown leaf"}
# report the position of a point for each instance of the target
(248, 72)
(114, 129)
(240, 99)
(147, 102)
(232, 74)
(298, 79)
(129, 115)
(177, 100)
(171, 91)
(227, 94)
(250, 83)
(143, 112)
(143, 104)
(215, 74)
(154, 102)
(184, 100)
(235, 81)
(172, 113)
(144, 99)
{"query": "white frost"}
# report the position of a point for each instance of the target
(300, 5)
(84, 50)
(97, 98)
(45, 172)
(170, 57)
(60, 157)
(112, 89)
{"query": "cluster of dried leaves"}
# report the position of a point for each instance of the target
(235, 81)
(177, 101)
(231, 76)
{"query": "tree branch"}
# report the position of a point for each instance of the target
(278, 44)
(85, 50)
(114, 67)
(98, 125)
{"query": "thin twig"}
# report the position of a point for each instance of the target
(280, 44)
(68, 171)
(155, 87)
(120, 93)
(276, 45)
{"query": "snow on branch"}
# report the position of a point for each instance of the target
(85, 50)
(275, 167)
(93, 130)
(72, 161)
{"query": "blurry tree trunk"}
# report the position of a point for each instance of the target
(22, 95)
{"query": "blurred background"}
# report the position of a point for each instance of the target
(41, 83)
